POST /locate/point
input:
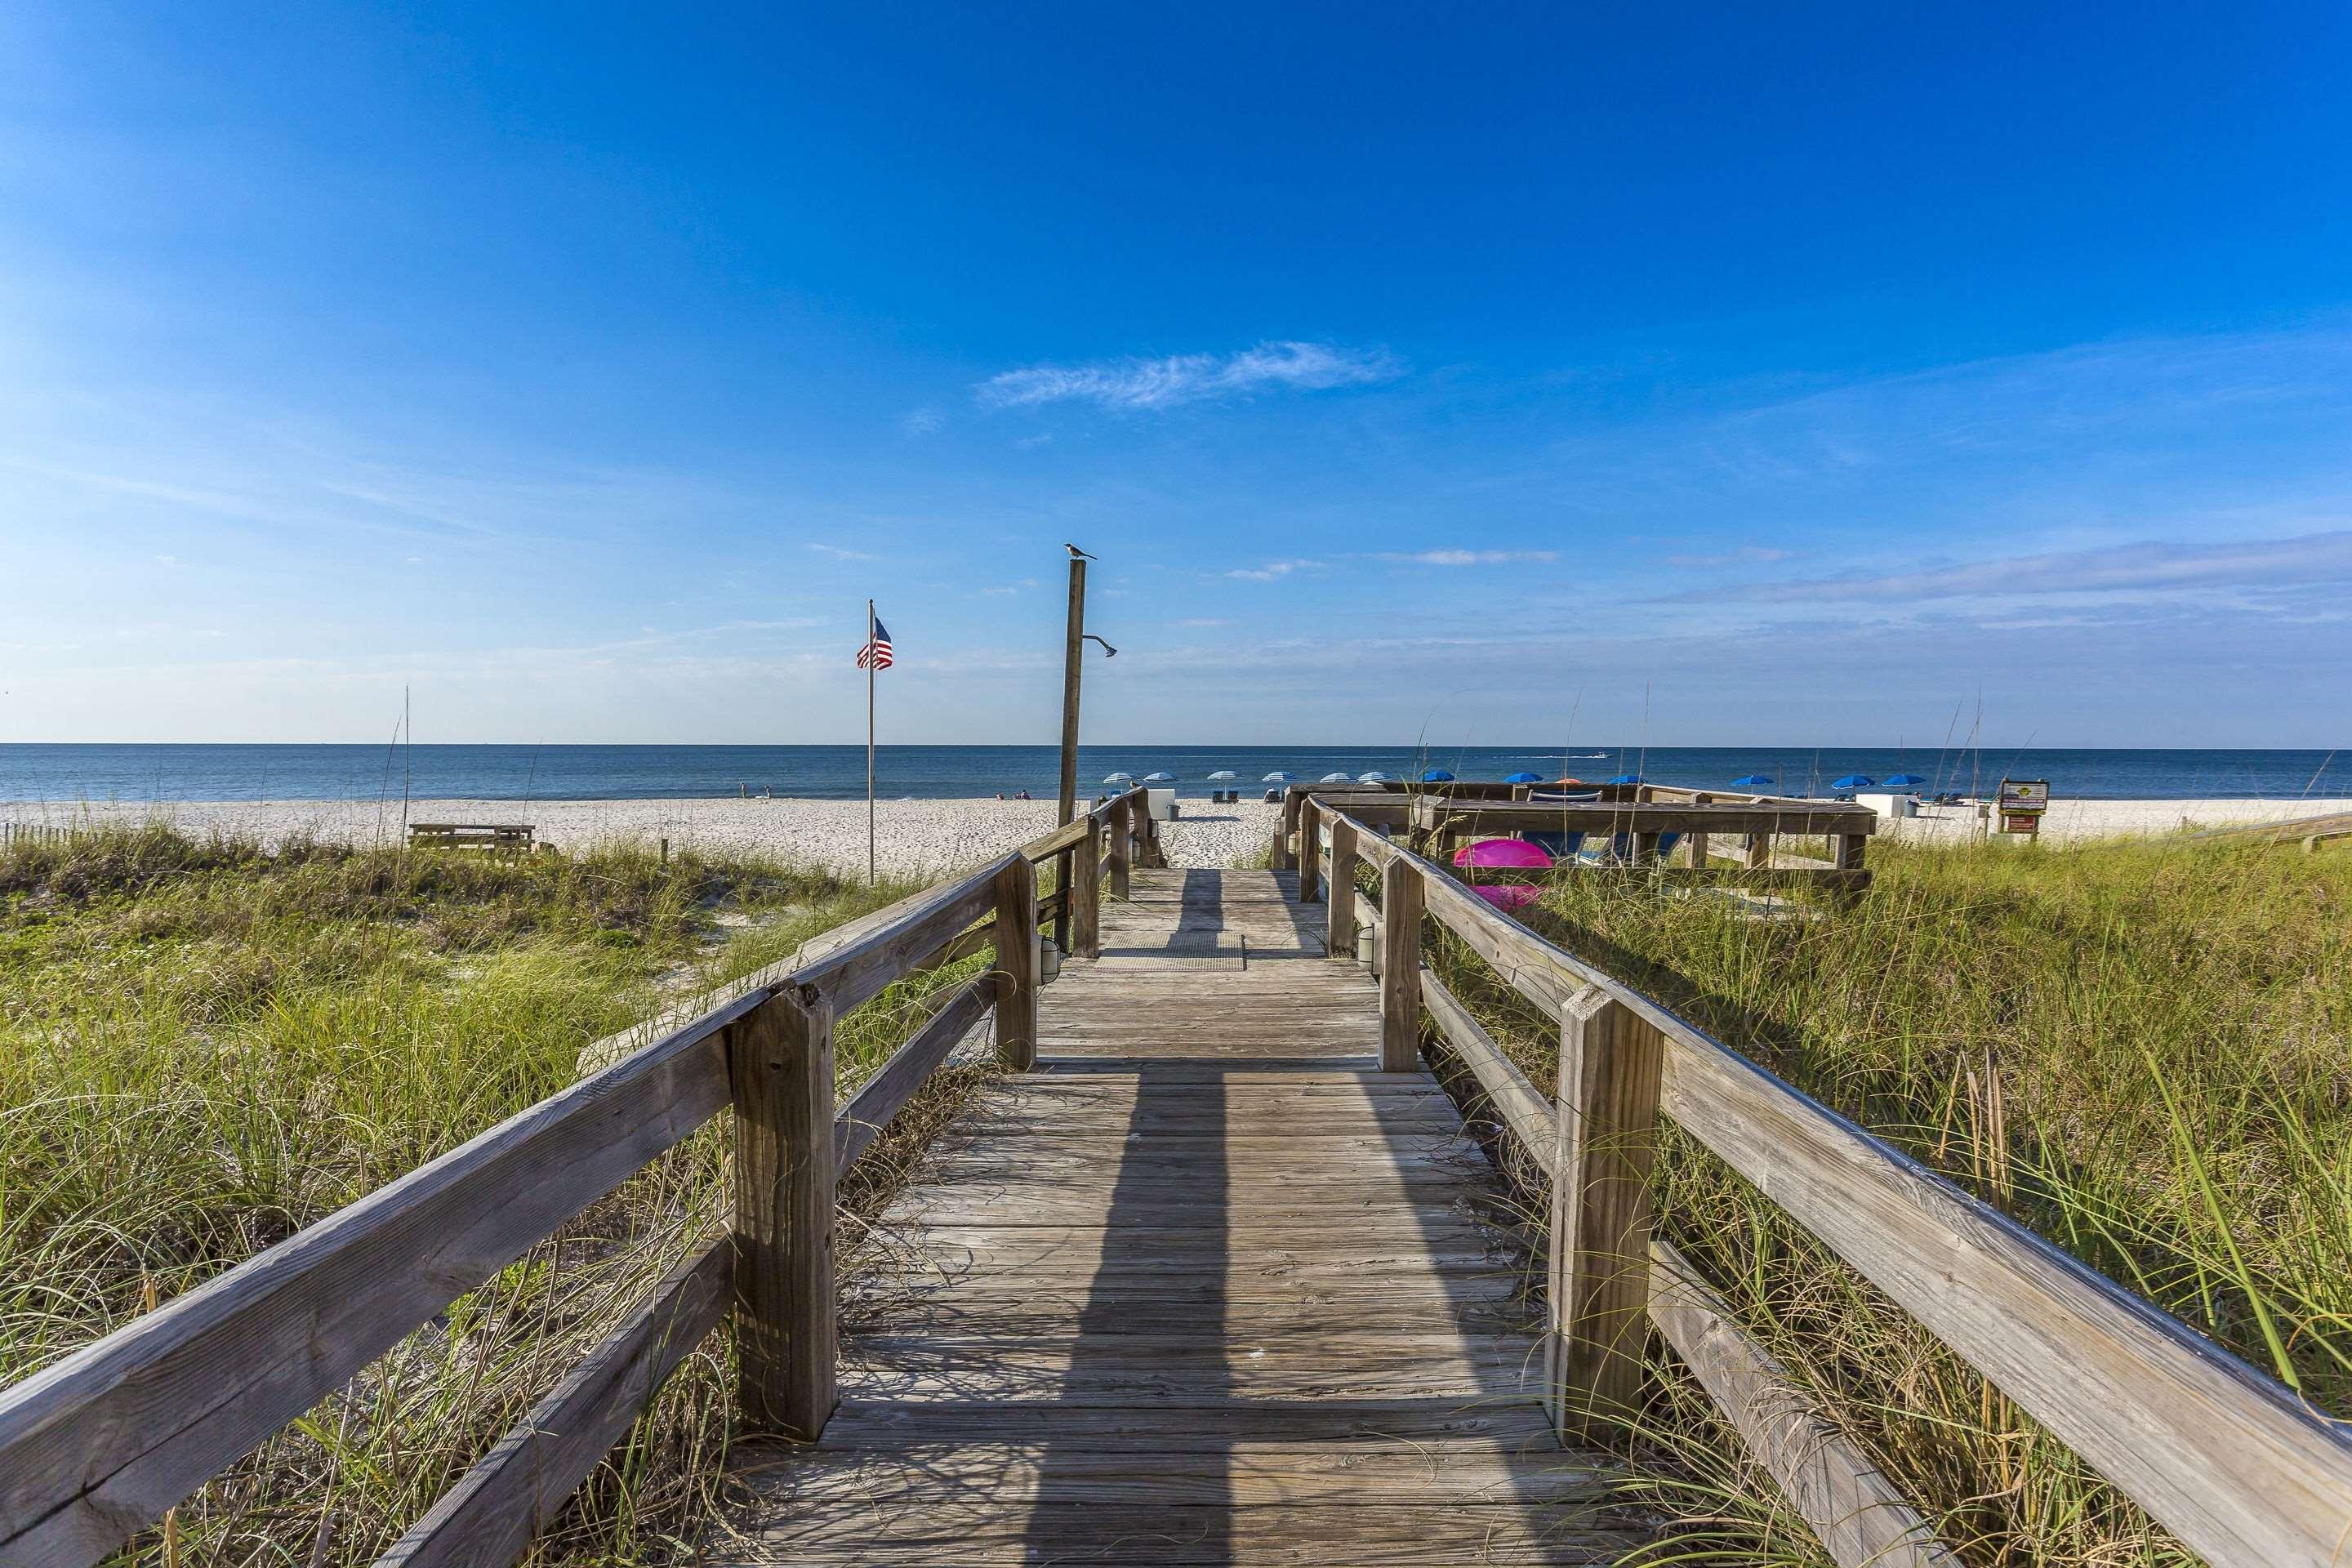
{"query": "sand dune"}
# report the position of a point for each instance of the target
(915, 838)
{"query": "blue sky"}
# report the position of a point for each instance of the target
(1738, 375)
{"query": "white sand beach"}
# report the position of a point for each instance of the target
(916, 838)
(923, 839)
(2071, 821)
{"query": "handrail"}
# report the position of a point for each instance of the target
(101, 1443)
(2228, 1460)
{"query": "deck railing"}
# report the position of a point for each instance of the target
(101, 1444)
(2230, 1460)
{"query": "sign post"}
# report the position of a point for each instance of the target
(2021, 803)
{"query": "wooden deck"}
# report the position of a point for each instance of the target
(1206, 1288)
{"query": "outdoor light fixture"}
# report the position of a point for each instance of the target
(1109, 651)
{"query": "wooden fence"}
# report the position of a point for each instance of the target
(97, 1446)
(2230, 1460)
(14, 833)
(1637, 827)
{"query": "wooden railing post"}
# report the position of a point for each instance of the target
(780, 1066)
(1311, 852)
(1122, 839)
(1282, 859)
(1401, 897)
(1760, 851)
(1606, 1116)
(1699, 849)
(1064, 864)
(1016, 965)
(1085, 903)
(1340, 911)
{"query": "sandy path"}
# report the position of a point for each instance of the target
(917, 838)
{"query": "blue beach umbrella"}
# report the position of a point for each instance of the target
(1437, 776)
(1222, 774)
(1523, 778)
(1626, 778)
(1118, 778)
(1333, 778)
(1160, 778)
(1905, 781)
(1277, 776)
(1853, 780)
(1374, 777)
(1751, 781)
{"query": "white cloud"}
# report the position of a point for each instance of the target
(2150, 566)
(1271, 570)
(838, 553)
(1150, 384)
(1747, 555)
(1469, 557)
(922, 422)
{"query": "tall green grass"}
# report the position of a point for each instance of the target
(2141, 1051)
(204, 1048)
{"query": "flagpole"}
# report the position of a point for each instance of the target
(869, 742)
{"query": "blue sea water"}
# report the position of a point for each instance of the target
(68, 774)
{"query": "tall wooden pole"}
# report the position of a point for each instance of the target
(1074, 643)
(869, 742)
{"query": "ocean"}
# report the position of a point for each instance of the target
(67, 774)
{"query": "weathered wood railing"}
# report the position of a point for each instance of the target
(99, 1446)
(2230, 1460)
(1636, 821)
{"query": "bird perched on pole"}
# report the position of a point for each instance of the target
(1077, 554)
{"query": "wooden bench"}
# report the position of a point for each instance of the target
(497, 838)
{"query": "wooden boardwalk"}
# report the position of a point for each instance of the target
(1206, 1288)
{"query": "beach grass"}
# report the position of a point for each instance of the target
(2136, 1050)
(204, 1048)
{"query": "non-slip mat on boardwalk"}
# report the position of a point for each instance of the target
(1205, 1289)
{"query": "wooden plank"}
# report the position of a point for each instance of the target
(1016, 965)
(1339, 921)
(859, 970)
(1085, 895)
(2226, 1458)
(1311, 853)
(101, 1443)
(989, 1474)
(1524, 1112)
(522, 1487)
(1400, 909)
(1351, 1426)
(1488, 820)
(1524, 960)
(780, 1062)
(881, 1096)
(1122, 831)
(1855, 1510)
(1365, 1535)
(1604, 1146)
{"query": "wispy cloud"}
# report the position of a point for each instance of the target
(2154, 565)
(1468, 557)
(838, 553)
(1746, 555)
(1152, 383)
(1271, 570)
(922, 422)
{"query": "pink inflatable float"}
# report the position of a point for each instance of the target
(1511, 854)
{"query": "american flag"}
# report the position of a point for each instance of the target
(877, 652)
